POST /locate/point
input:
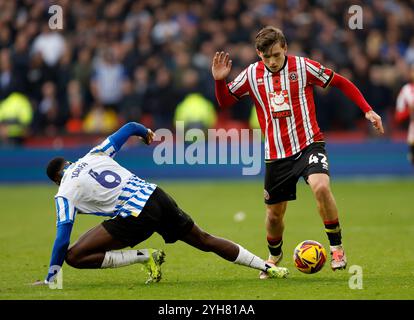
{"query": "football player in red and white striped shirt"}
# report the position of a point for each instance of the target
(405, 110)
(281, 87)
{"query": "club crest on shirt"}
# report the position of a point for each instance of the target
(279, 104)
(293, 76)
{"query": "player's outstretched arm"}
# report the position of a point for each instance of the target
(131, 129)
(353, 93)
(60, 248)
(111, 145)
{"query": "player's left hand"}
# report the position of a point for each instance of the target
(375, 120)
(150, 137)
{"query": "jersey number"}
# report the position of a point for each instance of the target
(107, 179)
(314, 159)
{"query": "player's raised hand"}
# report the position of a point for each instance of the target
(221, 65)
(150, 137)
(375, 120)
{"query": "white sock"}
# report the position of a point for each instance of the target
(115, 259)
(334, 248)
(248, 259)
(275, 258)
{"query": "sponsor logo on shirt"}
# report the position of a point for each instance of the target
(279, 104)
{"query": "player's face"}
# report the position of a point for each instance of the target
(274, 58)
(65, 165)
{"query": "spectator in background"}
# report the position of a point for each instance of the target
(162, 99)
(139, 97)
(131, 104)
(75, 102)
(141, 80)
(166, 28)
(15, 117)
(177, 36)
(36, 76)
(196, 112)
(6, 39)
(47, 118)
(82, 72)
(8, 81)
(182, 62)
(21, 60)
(51, 46)
(409, 54)
(64, 76)
(100, 120)
(107, 81)
(194, 109)
(379, 95)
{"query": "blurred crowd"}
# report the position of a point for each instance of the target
(122, 60)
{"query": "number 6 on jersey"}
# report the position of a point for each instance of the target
(113, 181)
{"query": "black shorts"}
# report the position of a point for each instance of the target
(160, 214)
(282, 175)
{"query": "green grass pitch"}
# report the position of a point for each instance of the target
(377, 219)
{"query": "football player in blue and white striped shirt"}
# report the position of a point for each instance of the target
(96, 184)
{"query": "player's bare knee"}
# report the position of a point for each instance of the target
(72, 258)
(274, 220)
(275, 213)
(321, 190)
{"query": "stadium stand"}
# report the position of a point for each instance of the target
(123, 60)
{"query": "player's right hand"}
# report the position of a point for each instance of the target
(39, 283)
(221, 65)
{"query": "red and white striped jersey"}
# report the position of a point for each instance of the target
(405, 106)
(284, 103)
(405, 99)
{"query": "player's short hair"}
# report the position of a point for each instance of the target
(268, 37)
(54, 167)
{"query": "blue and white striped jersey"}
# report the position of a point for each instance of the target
(96, 184)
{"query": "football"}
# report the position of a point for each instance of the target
(309, 256)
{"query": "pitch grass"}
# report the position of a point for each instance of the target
(377, 218)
